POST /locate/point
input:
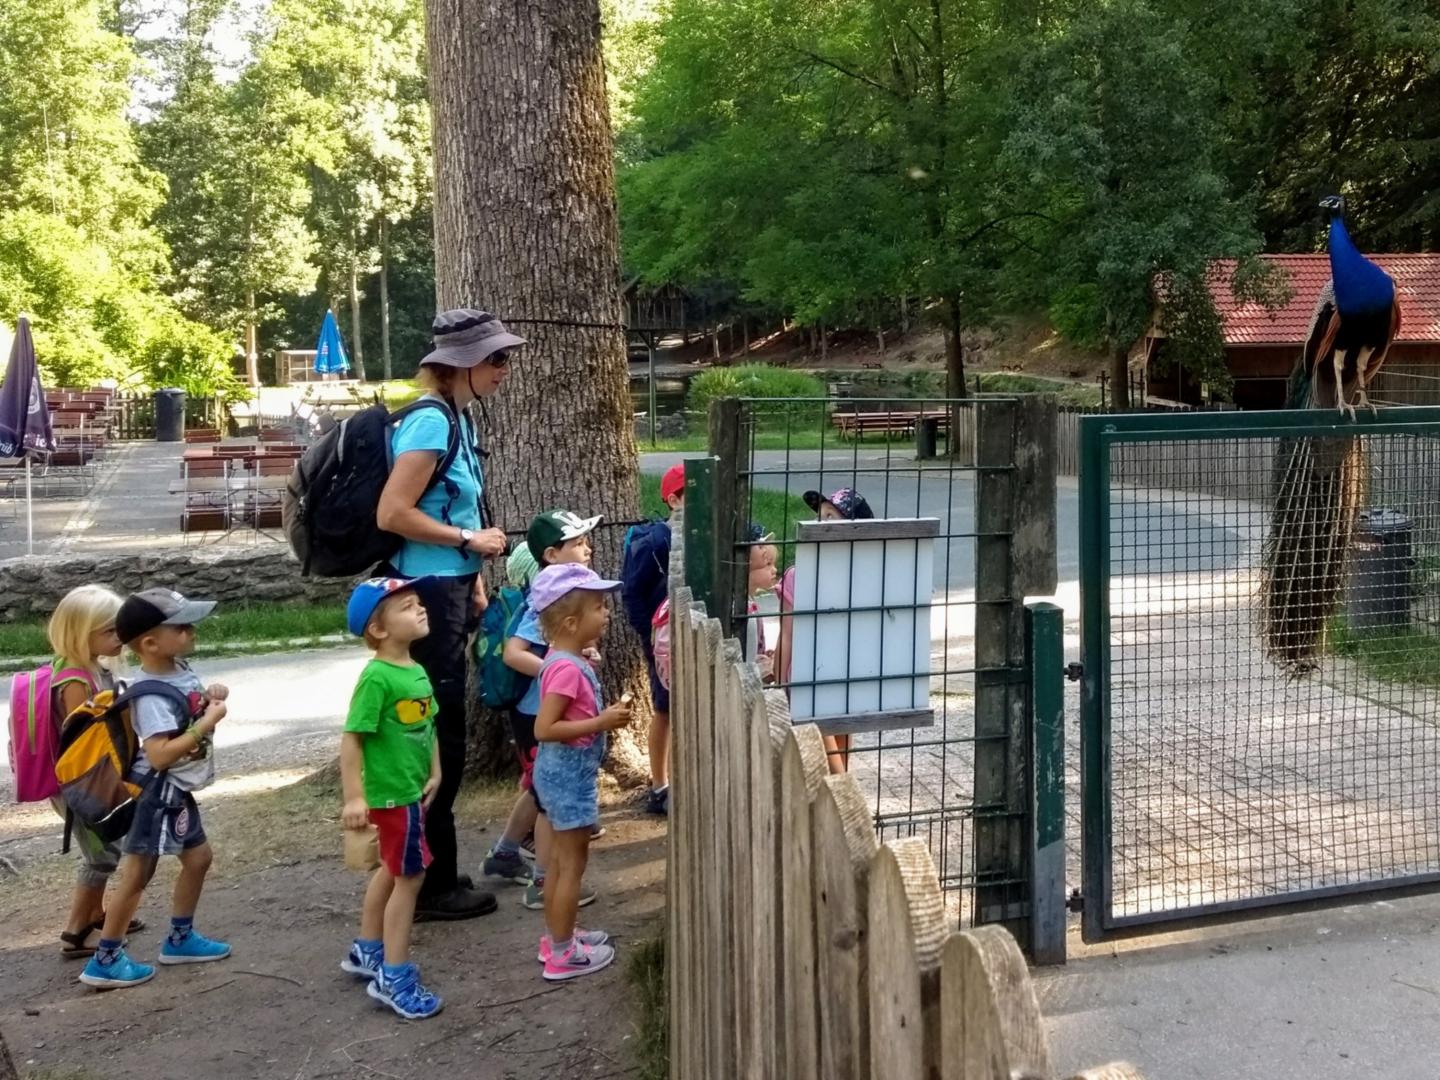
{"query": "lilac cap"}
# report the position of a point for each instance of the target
(561, 579)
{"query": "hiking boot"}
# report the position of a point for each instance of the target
(120, 972)
(507, 864)
(583, 937)
(363, 962)
(196, 948)
(400, 988)
(458, 903)
(658, 801)
(578, 960)
(534, 897)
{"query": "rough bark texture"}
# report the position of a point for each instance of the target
(526, 227)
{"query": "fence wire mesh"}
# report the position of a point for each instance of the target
(1273, 668)
(796, 456)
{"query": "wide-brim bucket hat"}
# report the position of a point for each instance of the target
(466, 337)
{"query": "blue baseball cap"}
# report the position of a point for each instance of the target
(369, 595)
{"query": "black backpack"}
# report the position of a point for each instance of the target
(329, 506)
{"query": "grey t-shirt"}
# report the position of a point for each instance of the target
(155, 715)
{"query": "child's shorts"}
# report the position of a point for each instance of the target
(567, 786)
(401, 834)
(167, 821)
(522, 729)
(659, 692)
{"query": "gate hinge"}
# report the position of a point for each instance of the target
(1075, 671)
(1076, 903)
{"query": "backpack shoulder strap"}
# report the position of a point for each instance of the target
(452, 448)
(61, 676)
(150, 688)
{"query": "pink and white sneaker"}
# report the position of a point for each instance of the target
(578, 960)
(584, 937)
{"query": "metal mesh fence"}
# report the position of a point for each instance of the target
(920, 780)
(1273, 668)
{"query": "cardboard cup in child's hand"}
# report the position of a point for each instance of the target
(362, 849)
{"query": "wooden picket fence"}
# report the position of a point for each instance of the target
(798, 947)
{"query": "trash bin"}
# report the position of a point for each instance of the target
(170, 414)
(927, 435)
(1382, 571)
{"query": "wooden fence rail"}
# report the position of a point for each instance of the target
(798, 947)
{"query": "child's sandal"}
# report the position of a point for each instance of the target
(136, 925)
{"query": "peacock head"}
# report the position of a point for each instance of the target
(1333, 205)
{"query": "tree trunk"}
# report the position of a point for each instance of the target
(904, 316)
(824, 345)
(1119, 377)
(385, 299)
(357, 350)
(745, 334)
(252, 344)
(960, 449)
(525, 225)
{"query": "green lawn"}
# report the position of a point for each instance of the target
(1398, 655)
(807, 438)
(225, 632)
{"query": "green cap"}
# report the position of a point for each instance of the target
(555, 527)
(521, 567)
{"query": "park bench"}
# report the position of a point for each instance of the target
(856, 425)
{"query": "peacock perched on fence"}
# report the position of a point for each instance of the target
(1320, 481)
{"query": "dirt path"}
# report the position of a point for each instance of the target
(281, 1008)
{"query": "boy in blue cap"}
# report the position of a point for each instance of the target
(389, 770)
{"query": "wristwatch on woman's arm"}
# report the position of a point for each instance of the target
(465, 537)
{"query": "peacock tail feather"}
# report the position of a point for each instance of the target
(1319, 490)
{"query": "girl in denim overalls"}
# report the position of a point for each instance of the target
(570, 600)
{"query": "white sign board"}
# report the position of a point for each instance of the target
(862, 623)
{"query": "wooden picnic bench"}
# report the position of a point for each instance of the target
(856, 425)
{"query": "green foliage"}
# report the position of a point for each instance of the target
(751, 381)
(645, 970)
(1395, 655)
(1078, 313)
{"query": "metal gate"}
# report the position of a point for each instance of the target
(955, 771)
(1260, 703)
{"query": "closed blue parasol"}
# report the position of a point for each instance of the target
(24, 418)
(330, 358)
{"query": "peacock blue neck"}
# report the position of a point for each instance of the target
(1360, 285)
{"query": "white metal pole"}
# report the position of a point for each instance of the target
(29, 511)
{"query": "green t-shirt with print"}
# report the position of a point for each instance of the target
(393, 708)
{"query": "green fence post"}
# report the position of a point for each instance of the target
(1045, 661)
(700, 568)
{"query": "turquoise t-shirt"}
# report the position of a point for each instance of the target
(455, 500)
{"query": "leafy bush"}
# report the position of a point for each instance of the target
(1079, 315)
(752, 381)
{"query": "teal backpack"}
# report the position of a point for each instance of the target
(501, 686)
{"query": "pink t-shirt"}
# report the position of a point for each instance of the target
(565, 678)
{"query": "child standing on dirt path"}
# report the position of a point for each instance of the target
(554, 538)
(174, 760)
(571, 727)
(83, 636)
(389, 770)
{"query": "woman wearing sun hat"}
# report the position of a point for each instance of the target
(447, 537)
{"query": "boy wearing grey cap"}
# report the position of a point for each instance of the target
(173, 761)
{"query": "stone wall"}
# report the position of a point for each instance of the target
(30, 586)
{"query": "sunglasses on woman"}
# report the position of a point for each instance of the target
(498, 359)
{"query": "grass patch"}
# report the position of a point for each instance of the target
(226, 632)
(774, 511)
(1068, 393)
(645, 969)
(1394, 654)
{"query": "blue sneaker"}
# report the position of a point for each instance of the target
(403, 993)
(120, 972)
(195, 949)
(363, 962)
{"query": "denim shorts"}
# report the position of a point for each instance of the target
(167, 821)
(567, 783)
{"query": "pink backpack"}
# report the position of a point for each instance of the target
(35, 732)
(660, 642)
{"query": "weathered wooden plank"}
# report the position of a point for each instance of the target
(749, 710)
(1119, 1070)
(851, 532)
(854, 723)
(721, 904)
(679, 912)
(1037, 564)
(844, 844)
(906, 936)
(990, 1021)
(802, 769)
(768, 737)
(708, 883)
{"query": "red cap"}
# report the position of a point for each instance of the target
(673, 482)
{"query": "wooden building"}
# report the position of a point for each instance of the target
(1261, 347)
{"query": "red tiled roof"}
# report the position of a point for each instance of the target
(1417, 276)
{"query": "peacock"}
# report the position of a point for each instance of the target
(1320, 481)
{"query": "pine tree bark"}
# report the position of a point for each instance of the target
(526, 227)
(357, 349)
